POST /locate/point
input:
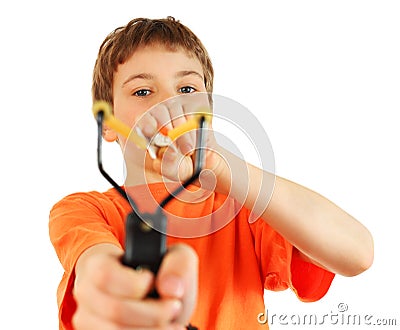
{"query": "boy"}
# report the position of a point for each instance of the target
(216, 281)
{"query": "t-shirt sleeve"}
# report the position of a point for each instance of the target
(282, 267)
(76, 223)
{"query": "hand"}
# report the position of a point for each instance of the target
(112, 296)
(176, 161)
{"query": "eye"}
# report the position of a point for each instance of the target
(186, 90)
(142, 92)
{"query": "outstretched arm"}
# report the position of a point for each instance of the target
(323, 233)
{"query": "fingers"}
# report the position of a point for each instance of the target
(178, 278)
(112, 296)
(169, 115)
(174, 161)
(111, 277)
(161, 113)
(91, 322)
(148, 124)
(129, 312)
(173, 113)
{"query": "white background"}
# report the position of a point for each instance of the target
(323, 77)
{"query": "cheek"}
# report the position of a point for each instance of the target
(128, 113)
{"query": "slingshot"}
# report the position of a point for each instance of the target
(144, 245)
(161, 140)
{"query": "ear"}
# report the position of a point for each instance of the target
(109, 134)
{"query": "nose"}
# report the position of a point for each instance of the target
(166, 95)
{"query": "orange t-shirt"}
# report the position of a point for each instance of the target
(238, 259)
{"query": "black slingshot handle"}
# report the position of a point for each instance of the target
(145, 242)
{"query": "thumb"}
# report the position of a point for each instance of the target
(178, 278)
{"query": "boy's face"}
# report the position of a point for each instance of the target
(151, 75)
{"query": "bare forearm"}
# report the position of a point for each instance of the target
(319, 229)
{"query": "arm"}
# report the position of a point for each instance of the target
(322, 232)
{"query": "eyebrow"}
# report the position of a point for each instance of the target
(184, 73)
(148, 76)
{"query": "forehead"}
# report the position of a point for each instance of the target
(155, 62)
(158, 57)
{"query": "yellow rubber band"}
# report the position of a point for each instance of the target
(141, 142)
(118, 125)
(191, 124)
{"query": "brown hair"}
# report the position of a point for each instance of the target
(120, 44)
